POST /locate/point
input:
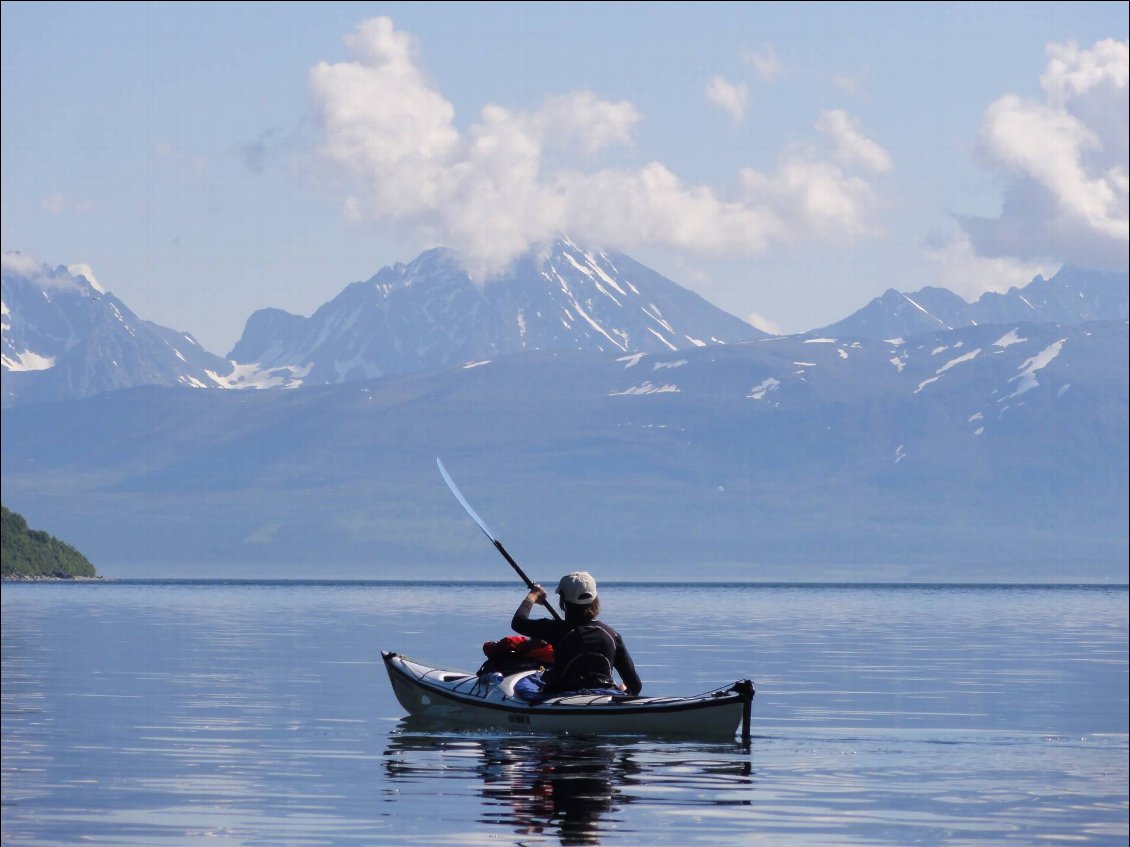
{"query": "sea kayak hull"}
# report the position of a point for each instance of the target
(463, 699)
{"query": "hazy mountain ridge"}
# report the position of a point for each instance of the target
(1074, 295)
(992, 451)
(980, 453)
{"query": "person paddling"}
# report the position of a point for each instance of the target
(586, 650)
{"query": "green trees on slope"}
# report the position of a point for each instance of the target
(32, 552)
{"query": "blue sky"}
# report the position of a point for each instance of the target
(787, 161)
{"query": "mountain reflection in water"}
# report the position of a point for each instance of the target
(571, 787)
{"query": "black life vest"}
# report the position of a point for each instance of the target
(584, 659)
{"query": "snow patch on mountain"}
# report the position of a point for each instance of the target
(1008, 339)
(766, 385)
(254, 376)
(595, 266)
(646, 387)
(632, 360)
(668, 344)
(1026, 379)
(968, 357)
(924, 383)
(26, 360)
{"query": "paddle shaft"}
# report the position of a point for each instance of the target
(486, 531)
(529, 583)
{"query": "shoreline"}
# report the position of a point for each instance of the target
(657, 584)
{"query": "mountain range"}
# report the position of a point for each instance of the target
(995, 450)
(65, 337)
(1072, 296)
(984, 453)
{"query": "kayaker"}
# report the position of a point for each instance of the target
(586, 649)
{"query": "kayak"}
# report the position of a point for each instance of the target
(501, 702)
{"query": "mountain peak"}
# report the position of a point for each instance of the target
(74, 279)
(428, 313)
(63, 335)
(1072, 296)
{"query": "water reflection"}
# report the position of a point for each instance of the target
(573, 788)
(254, 715)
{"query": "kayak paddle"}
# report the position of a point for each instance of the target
(486, 531)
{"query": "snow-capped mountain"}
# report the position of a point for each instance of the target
(64, 336)
(1072, 296)
(430, 314)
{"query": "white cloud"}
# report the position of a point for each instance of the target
(962, 271)
(852, 146)
(493, 191)
(730, 96)
(582, 120)
(83, 269)
(1063, 161)
(1074, 74)
(765, 62)
(816, 198)
(763, 323)
(20, 264)
(383, 121)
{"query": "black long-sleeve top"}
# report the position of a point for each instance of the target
(554, 631)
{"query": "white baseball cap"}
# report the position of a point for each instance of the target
(578, 588)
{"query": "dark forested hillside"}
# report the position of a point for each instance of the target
(32, 552)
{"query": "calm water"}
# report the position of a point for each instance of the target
(259, 714)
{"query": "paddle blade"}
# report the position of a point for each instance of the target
(463, 501)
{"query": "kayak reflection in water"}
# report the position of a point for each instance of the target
(586, 650)
(565, 787)
(580, 789)
(563, 784)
